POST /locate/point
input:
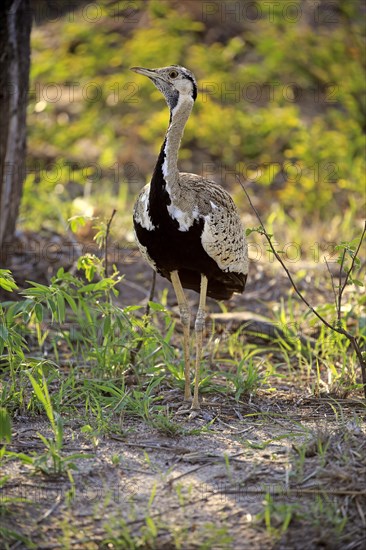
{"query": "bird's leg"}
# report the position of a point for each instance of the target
(198, 327)
(185, 317)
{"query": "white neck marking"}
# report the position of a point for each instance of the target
(179, 117)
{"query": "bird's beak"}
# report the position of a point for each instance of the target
(151, 73)
(146, 72)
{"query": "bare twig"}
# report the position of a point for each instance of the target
(336, 298)
(340, 287)
(278, 257)
(348, 272)
(336, 328)
(106, 242)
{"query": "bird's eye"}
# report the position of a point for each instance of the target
(173, 74)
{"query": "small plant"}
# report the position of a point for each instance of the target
(143, 402)
(315, 446)
(120, 534)
(246, 380)
(325, 513)
(345, 276)
(166, 425)
(7, 280)
(11, 340)
(276, 516)
(5, 426)
(52, 461)
(8, 536)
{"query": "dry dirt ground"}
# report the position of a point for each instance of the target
(278, 469)
(203, 490)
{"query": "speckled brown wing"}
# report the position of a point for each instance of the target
(223, 236)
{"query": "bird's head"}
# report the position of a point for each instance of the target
(173, 82)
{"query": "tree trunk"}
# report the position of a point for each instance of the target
(15, 28)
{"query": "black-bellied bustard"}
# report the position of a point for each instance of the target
(188, 228)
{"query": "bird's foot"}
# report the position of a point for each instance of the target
(190, 408)
(191, 413)
(185, 408)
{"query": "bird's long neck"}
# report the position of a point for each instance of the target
(166, 172)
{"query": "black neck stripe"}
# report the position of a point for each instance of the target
(194, 93)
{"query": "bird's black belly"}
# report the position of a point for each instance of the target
(171, 250)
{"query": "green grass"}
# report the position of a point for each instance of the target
(93, 124)
(69, 356)
(96, 346)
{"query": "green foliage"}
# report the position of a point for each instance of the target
(7, 280)
(325, 511)
(5, 425)
(279, 102)
(276, 516)
(52, 461)
(247, 378)
(95, 348)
